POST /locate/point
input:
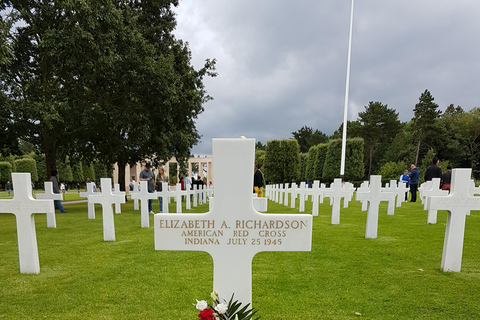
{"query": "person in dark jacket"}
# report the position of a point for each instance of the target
(413, 175)
(447, 179)
(434, 171)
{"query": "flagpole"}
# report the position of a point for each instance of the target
(345, 110)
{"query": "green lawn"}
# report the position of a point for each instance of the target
(396, 276)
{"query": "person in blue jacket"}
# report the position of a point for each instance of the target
(413, 175)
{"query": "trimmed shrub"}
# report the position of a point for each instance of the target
(354, 168)
(320, 161)
(282, 161)
(310, 163)
(27, 165)
(5, 172)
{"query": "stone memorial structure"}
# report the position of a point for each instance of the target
(106, 198)
(458, 203)
(49, 195)
(24, 206)
(233, 232)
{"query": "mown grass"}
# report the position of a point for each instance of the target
(84, 277)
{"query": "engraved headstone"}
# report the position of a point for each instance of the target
(23, 206)
(233, 232)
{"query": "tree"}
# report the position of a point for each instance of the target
(425, 122)
(102, 79)
(307, 138)
(379, 125)
(260, 146)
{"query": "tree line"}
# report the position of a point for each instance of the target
(97, 81)
(389, 146)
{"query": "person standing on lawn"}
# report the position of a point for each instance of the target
(147, 175)
(414, 175)
(54, 181)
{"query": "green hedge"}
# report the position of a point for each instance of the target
(320, 161)
(282, 161)
(5, 172)
(27, 165)
(310, 163)
(354, 168)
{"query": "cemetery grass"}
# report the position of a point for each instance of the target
(345, 276)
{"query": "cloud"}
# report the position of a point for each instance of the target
(282, 64)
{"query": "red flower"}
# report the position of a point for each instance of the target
(206, 314)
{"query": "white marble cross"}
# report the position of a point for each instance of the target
(391, 190)
(286, 192)
(364, 187)
(116, 191)
(233, 232)
(336, 192)
(91, 205)
(166, 195)
(423, 187)
(23, 206)
(458, 203)
(51, 220)
(349, 189)
(317, 196)
(106, 198)
(433, 191)
(293, 195)
(178, 193)
(302, 193)
(144, 196)
(374, 196)
(281, 193)
(400, 191)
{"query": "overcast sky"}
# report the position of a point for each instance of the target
(282, 64)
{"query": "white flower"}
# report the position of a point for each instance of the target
(202, 305)
(221, 308)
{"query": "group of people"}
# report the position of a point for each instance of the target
(433, 171)
(155, 183)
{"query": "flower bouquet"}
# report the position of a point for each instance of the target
(219, 310)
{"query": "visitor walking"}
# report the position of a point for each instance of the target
(53, 179)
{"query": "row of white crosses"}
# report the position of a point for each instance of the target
(166, 194)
